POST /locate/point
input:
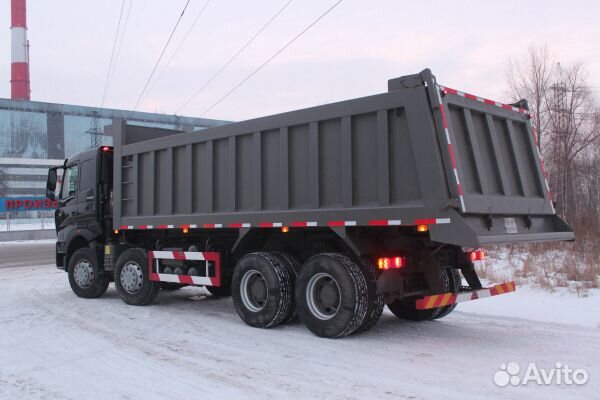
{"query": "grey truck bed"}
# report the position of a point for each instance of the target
(420, 153)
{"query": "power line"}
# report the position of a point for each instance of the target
(273, 57)
(240, 51)
(121, 40)
(160, 56)
(112, 54)
(178, 47)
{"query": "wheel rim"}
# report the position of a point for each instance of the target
(132, 277)
(83, 273)
(323, 296)
(253, 290)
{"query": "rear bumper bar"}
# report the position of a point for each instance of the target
(527, 237)
(444, 299)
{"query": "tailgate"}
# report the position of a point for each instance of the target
(495, 170)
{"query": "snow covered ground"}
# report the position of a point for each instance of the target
(190, 345)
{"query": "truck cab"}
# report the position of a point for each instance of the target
(83, 217)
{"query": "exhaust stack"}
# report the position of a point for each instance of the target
(19, 82)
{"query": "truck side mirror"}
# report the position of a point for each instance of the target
(51, 183)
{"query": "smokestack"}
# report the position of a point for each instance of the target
(19, 82)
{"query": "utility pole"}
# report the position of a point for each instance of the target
(95, 132)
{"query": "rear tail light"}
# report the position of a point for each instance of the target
(422, 228)
(476, 255)
(391, 262)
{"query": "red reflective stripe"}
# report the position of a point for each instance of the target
(452, 299)
(299, 224)
(438, 301)
(534, 133)
(162, 226)
(216, 258)
(236, 225)
(507, 107)
(451, 91)
(123, 227)
(444, 120)
(179, 255)
(151, 263)
(184, 226)
(381, 222)
(470, 96)
(185, 279)
(459, 188)
(487, 101)
(451, 150)
(265, 225)
(336, 223)
(427, 221)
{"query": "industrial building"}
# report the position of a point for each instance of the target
(33, 134)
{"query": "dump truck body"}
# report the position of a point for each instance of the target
(420, 152)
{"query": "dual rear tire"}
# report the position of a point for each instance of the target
(332, 295)
(262, 290)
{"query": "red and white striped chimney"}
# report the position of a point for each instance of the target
(19, 82)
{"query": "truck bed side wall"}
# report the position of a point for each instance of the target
(369, 159)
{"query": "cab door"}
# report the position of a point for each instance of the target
(68, 209)
(86, 209)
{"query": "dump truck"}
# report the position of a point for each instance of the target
(325, 214)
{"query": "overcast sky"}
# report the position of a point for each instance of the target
(351, 53)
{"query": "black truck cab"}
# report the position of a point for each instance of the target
(83, 217)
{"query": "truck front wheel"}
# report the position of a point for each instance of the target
(86, 278)
(132, 278)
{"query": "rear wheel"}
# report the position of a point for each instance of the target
(86, 278)
(455, 282)
(332, 295)
(262, 290)
(407, 308)
(132, 278)
(293, 267)
(376, 303)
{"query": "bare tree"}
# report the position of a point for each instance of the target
(567, 119)
(573, 126)
(530, 79)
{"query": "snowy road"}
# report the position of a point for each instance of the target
(189, 345)
(27, 253)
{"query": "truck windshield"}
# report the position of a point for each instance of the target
(69, 185)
